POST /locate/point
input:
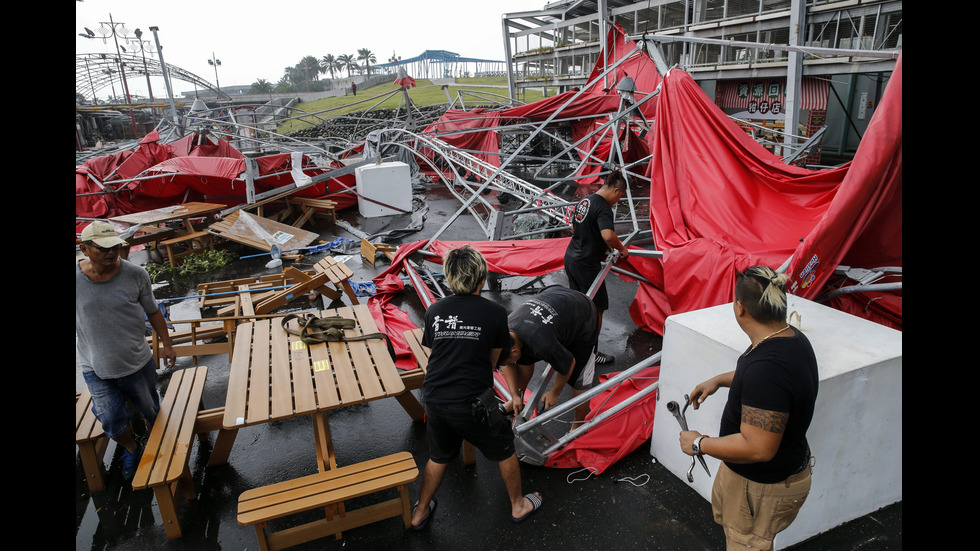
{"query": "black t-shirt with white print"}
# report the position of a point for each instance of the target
(461, 331)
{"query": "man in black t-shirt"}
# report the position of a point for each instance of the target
(593, 235)
(466, 334)
(561, 327)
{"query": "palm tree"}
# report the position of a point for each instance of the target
(348, 62)
(261, 86)
(328, 64)
(368, 57)
(310, 67)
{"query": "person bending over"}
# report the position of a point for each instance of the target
(559, 326)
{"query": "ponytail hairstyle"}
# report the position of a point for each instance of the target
(465, 270)
(763, 293)
(616, 180)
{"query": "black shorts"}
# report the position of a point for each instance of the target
(447, 425)
(580, 278)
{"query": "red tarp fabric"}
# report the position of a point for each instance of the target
(863, 225)
(189, 169)
(720, 202)
(617, 436)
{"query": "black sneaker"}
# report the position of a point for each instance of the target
(603, 359)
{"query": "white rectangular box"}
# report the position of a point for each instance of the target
(383, 186)
(856, 432)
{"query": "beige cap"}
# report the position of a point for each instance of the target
(102, 234)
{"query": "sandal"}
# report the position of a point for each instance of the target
(536, 503)
(425, 521)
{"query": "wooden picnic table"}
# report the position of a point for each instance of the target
(274, 375)
(186, 235)
(184, 212)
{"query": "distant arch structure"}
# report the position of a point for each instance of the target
(444, 64)
(96, 72)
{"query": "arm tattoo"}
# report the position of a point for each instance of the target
(771, 421)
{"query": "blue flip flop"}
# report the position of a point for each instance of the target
(425, 521)
(536, 503)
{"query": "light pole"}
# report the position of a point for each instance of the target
(140, 41)
(105, 31)
(166, 75)
(214, 62)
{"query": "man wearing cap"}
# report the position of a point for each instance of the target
(112, 295)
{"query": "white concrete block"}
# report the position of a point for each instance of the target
(856, 432)
(390, 184)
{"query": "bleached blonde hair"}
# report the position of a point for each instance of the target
(465, 268)
(763, 293)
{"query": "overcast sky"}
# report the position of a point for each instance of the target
(259, 39)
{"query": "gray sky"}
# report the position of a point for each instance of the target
(254, 39)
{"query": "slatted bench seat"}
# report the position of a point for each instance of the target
(326, 489)
(164, 466)
(91, 441)
(196, 243)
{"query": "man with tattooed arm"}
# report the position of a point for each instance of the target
(766, 465)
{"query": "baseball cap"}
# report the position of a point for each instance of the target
(102, 234)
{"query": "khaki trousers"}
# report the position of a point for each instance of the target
(753, 513)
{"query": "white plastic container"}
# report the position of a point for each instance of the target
(390, 184)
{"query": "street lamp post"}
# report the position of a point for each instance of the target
(105, 32)
(140, 41)
(214, 62)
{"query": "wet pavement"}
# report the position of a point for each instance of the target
(635, 504)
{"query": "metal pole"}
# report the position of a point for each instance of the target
(585, 396)
(166, 76)
(122, 71)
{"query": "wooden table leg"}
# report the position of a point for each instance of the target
(325, 457)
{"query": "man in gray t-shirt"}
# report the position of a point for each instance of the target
(112, 296)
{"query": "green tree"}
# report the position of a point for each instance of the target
(348, 62)
(261, 86)
(310, 66)
(328, 64)
(367, 56)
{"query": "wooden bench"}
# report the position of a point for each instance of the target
(91, 441)
(329, 490)
(164, 466)
(197, 242)
(413, 379)
(308, 208)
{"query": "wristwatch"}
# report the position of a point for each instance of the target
(696, 446)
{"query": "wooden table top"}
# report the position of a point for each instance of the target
(275, 375)
(165, 214)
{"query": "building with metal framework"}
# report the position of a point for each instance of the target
(744, 53)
